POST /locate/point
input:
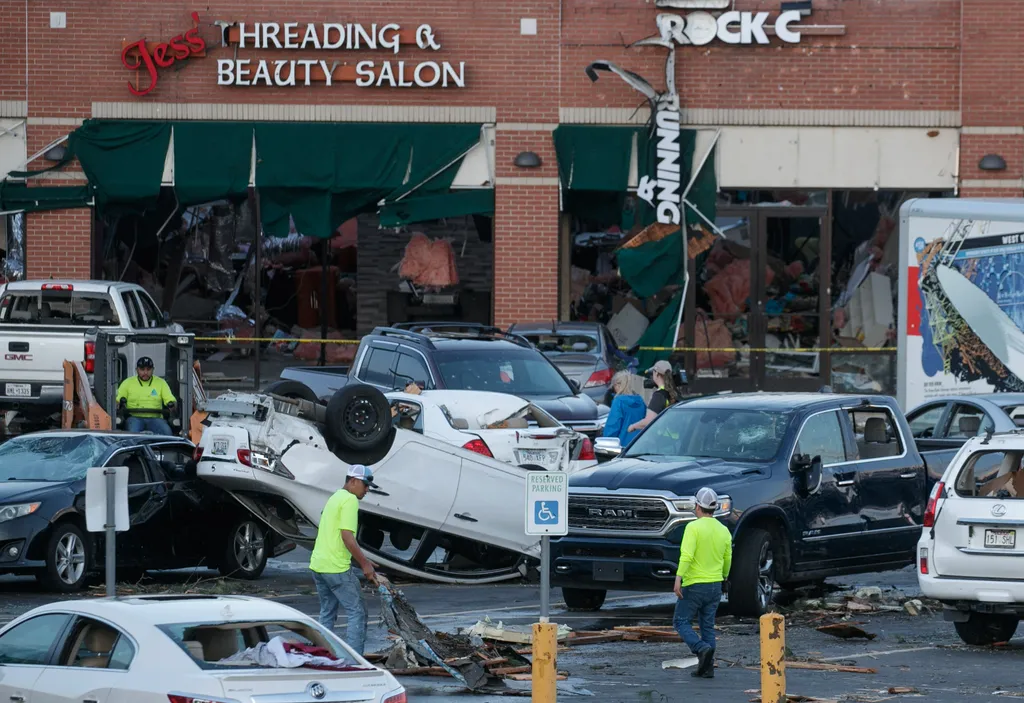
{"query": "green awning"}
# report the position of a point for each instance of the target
(123, 160)
(594, 157)
(18, 196)
(425, 208)
(212, 161)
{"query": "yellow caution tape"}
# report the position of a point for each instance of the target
(757, 350)
(777, 350)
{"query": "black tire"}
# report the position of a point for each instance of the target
(67, 559)
(752, 579)
(292, 389)
(584, 599)
(370, 456)
(358, 418)
(247, 550)
(984, 629)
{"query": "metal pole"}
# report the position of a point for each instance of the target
(111, 554)
(258, 294)
(545, 577)
(324, 307)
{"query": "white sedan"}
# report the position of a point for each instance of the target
(441, 511)
(498, 425)
(181, 649)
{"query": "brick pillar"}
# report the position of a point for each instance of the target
(993, 117)
(58, 244)
(525, 229)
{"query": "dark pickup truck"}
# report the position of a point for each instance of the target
(811, 486)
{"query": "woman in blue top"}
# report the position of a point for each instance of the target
(627, 409)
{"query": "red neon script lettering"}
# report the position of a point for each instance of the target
(137, 55)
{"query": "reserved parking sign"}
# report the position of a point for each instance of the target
(547, 503)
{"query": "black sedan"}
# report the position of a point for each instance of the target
(177, 521)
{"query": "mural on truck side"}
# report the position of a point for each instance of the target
(966, 316)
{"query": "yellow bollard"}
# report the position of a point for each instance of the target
(773, 658)
(545, 670)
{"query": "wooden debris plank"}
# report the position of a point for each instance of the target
(506, 670)
(817, 666)
(421, 671)
(597, 639)
(494, 662)
(529, 677)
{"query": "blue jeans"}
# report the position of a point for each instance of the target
(156, 425)
(701, 601)
(343, 590)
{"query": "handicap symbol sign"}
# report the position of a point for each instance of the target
(545, 512)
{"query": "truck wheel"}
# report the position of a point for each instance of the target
(67, 559)
(983, 629)
(293, 390)
(583, 598)
(753, 574)
(358, 417)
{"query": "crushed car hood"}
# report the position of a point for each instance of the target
(680, 476)
(17, 491)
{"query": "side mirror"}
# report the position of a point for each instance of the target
(607, 446)
(575, 386)
(799, 463)
(580, 347)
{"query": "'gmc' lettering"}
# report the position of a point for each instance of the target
(17, 357)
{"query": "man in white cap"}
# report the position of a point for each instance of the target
(705, 557)
(331, 562)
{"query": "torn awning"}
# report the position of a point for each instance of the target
(425, 208)
(18, 197)
(596, 157)
(317, 174)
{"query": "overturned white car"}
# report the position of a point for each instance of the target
(445, 509)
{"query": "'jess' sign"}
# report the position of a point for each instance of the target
(139, 55)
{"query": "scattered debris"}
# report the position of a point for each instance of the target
(515, 634)
(846, 631)
(793, 698)
(679, 663)
(869, 592)
(913, 607)
(824, 666)
(900, 690)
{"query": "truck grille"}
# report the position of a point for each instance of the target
(624, 514)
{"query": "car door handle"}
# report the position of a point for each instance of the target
(379, 492)
(909, 474)
(90, 700)
(844, 479)
(466, 516)
(18, 699)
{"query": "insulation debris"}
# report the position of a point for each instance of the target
(429, 263)
(487, 630)
(846, 631)
(679, 663)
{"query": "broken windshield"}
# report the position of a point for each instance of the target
(713, 433)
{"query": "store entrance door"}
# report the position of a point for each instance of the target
(757, 314)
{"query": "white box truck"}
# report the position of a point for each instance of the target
(961, 323)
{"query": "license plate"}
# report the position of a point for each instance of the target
(533, 456)
(1001, 539)
(608, 572)
(18, 390)
(220, 447)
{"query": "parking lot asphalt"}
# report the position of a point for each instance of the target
(921, 652)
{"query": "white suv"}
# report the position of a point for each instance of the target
(971, 551)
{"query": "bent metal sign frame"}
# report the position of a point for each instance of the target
(291, 72)
(664, 190)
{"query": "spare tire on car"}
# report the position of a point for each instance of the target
(358, 419)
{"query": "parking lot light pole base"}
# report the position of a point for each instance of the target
(545, 653)
(773, 658)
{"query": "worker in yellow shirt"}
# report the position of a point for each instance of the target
(143, 398)
(705, 557)
(331, 561)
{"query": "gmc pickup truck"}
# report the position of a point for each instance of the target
(44, 323)
(811, 486)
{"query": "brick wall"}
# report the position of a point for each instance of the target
(58, 244)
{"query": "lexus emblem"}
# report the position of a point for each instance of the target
(317, 690)
(998, 510)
